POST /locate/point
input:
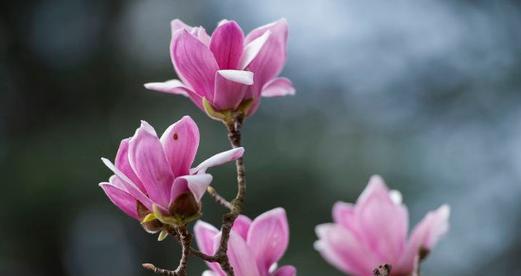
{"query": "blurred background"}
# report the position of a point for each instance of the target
(425, 93)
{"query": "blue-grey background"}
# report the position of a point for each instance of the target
(425, 93)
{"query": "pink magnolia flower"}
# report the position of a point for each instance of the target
(254, 246)
(227, 68)
(374, 231)
(152, 173)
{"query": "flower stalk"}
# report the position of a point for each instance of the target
(234, 136)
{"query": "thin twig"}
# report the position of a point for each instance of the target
(158, 270)
(203, 256)
(184, 237)
(235, 207)
(186, 242)
(219, 199)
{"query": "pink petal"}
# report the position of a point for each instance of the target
(148, 128)
(176, 87)
(240, 255)
(179, 187)
(230, 88)
(194, 63)
(344, 214)
(148, 161)
(427, 233)
(178, 24)
(123, 181)
(252, 49)
(375, 189)
(180, 142)
(121, 199)
(123, 164)
(433, 226)
(197, 184)
(278, 87)
(342, 249)
(170, 86)
(268, 237)
(198, 32)
(383, 222)
(219, 159)
(241, 226)
(287, 270)
(205, 236)
(269, 61)
(226, 44)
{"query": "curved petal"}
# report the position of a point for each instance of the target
(205, 236)
(241, 226)
(342, 249)
(180, 142)
(123, 164)
(226, 44)
(344, 214)
(178, 24)
(278, 87)
(176, 87)
(252, 49)
(179, 187)
(124, 181)
(382, 222)
(122, 199)
(426, 234)
(287, 270)
(148, 161)
(376, 188)
(230, 88)
(198, 32)
(268, 237)
(241, 257)
(201, 34)
(433, 226)
(194, 63)
(170, 86)
(218, 159)
(197, 185)
(271, 57)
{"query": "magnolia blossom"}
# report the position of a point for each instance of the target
(254, 246)
(228, 68)
(374, 231)
(152, 173)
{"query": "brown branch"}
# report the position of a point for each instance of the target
(159, 271)
(184, 237)
(235, 207)
(234, 135)
(186, 243)
(219, 199)
(203, 256)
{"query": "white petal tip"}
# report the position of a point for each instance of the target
(444, 210)
(239, 76)
(396, 197)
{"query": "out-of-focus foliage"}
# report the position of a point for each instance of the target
(425, 93)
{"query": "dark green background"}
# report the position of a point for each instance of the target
(425, 93)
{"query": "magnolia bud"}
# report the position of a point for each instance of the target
(185, 207)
